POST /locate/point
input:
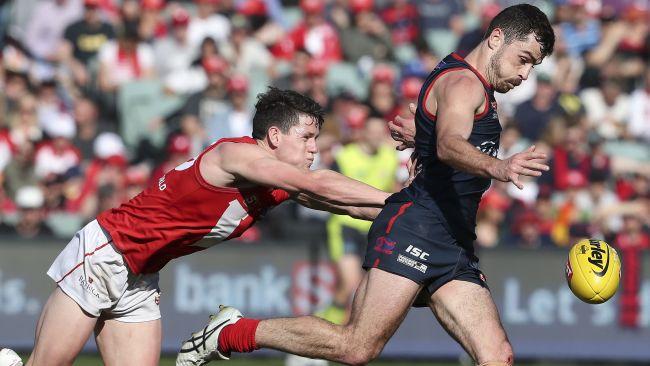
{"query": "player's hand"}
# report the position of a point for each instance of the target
(528, 162)
(402, 130)
(413, 168)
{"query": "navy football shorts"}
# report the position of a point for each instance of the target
(413, 242)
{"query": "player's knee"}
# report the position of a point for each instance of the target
(361, 356)
(361, 352)
(501, 355)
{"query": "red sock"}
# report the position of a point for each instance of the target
(239, 337)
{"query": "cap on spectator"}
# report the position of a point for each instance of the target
(59, 125)
(316, 67)
(136, 176)
(496, 201)
(180, 18)
(108, 144)
(152, 4)
(214, 64)
(253, 7)
(358, 6)
(528, 217)
(179, 144)
(312, 6)
(410, 88)
(383, 74)
(490, 10)
(92, 3)
(29, 197)
(238, 84)
(356, 117)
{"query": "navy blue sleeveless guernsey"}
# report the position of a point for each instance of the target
(452, 194)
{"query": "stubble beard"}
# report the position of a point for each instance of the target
(494, 70)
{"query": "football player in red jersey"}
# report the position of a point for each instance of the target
(107, 276)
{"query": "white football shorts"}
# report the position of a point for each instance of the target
(92, 272)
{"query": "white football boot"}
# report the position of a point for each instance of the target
(9, 358)
(202, 347)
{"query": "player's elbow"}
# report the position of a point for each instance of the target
(443, 152)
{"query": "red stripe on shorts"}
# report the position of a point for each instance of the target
(398, 214)
(79, 265)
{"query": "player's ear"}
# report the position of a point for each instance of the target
(274, 135)
(495, 39)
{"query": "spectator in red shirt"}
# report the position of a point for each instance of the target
(382, 99)
(401, 17)
(570, 165)
(314, 34)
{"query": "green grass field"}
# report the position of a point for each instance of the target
(94, 360)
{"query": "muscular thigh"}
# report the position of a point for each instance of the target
(62, 330)
(122, 343)
(468, 313)
(380, 305)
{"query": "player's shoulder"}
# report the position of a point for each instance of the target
(237, 149)
(461, 79)
(460, 84)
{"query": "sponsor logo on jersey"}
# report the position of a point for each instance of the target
(412, 263)
(489, 148)
(161, 183)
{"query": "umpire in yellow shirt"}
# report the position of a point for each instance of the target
(372, 159)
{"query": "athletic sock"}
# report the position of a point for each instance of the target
(239, 337)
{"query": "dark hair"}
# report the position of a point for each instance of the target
(282, 108)
(518, 21)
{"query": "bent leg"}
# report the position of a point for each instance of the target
(122, 343)
(380, 305)
(62, 330)
(468, 313)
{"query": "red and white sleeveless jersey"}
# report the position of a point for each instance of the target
(183, 214)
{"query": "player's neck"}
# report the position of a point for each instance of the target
(265, 146)
(479, 59)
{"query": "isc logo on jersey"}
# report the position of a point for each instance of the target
(593, 271)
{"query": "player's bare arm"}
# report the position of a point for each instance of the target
(457, 97)
(235, 165)
(363, 213)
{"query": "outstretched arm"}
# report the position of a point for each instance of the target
(363, 213)
(254, 165)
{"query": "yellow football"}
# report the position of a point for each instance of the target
(593, 271)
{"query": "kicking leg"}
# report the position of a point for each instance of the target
(468, 313)
(380, 305)
(122, 343)
(61, 332)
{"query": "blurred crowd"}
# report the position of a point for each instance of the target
(99, 98)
